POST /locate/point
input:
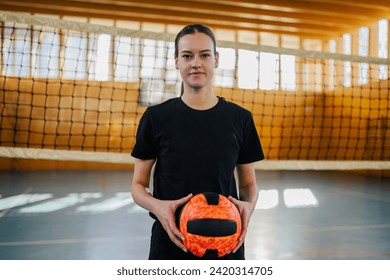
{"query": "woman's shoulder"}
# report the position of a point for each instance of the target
(235, 108)
(165, 106)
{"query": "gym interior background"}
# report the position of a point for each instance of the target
(76, 77)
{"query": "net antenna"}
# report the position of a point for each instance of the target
(76, 91)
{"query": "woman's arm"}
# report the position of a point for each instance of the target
(163, 209)
(248, 194)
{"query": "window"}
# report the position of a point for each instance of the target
(288, 74)
(224, 74)
(46, 49)
(75, 56)
(16, 50)
(172, 76)
(248, 69)
(383, 46)
(99, 57)
(127, 62)
(269, 71)
(331, 72)
(347, 66)
(158, 75)
(363, 51)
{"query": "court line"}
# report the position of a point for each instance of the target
(348, 228)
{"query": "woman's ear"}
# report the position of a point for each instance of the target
(177, 67)
(216, 59)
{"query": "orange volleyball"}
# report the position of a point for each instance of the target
(211, 225)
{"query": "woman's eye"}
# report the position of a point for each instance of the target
(206, 55)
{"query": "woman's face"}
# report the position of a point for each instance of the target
(196, 60)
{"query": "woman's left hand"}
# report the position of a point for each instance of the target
(246, 209)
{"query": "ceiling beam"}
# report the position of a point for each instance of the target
(336, 8)
(148, 13)
(306, 18)
(176, 21)
(377, 4)
(217, 8)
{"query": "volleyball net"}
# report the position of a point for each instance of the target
(76, 91)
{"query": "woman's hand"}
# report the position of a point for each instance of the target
(165, 212)
(245, 209)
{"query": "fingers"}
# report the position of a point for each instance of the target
(173, 232)
(169, 222)
(244, 221)
(233, 200)
(183, 200)
(176, 232)
(177, 238)
(241, 239)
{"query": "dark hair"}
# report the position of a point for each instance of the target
(192, 29)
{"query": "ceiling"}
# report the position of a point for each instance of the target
(318, 19)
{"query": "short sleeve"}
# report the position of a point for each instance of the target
(145, 145)
(251, 149)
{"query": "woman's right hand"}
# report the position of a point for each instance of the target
(165, 212)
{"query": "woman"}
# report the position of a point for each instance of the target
(196, 140)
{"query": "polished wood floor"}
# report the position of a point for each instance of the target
(91, 215)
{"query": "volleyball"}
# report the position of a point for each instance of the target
(211, 225)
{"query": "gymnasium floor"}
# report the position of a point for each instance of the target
(90, 215)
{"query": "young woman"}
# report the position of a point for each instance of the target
(196, 141)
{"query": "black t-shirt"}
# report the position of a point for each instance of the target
(196, 150)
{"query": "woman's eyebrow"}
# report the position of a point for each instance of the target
(202, 51)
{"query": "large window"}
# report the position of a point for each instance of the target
(383, 46)
(225, 73)
(331, 70)
(364, 42)
(288, 72)
(99, 57)
(347, 65)
(16, 50)
(248, 69)
(75, 56)
(45, 50)
(158, 75)
(269, 71)
(125, 65)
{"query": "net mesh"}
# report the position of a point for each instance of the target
(68, 86)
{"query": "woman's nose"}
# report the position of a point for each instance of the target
(196, 63)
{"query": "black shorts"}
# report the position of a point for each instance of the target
(162, 248)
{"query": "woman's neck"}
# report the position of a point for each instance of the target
(200, 100)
